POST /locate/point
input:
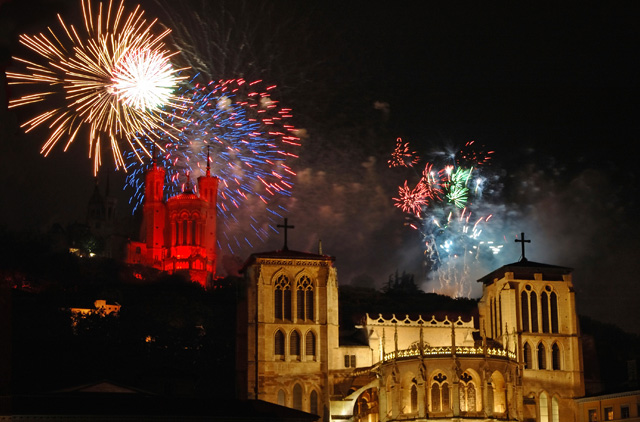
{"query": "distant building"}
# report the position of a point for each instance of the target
(178, 234)
(520, 361)
(623, 406)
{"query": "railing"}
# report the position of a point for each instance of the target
(447, 350)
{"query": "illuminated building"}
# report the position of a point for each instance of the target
(521, 360)
(178, 234)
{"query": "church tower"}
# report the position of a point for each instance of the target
(178, 234)
(288, 329)
(530, 308)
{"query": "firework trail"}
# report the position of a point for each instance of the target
(447, 207)
(250, 143)
(114, 78)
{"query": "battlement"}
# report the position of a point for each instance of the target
(433, 322)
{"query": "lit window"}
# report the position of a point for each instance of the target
(544, 408)
(555, 410)
(608, 413)
(593, 416)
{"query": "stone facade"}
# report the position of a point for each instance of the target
(520, 361)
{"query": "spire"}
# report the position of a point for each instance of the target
(320, 247)
(208, 161)
(187, 186)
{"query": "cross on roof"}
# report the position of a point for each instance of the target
(285, 226)
(523, 241)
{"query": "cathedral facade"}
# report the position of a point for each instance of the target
(521, 360)
(178, 234)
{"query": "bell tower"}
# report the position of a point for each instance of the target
(154, 212)
(208, 188)
(530, 308)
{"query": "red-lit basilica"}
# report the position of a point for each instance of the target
(178, 234)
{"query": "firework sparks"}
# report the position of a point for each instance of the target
(114, 79)
(250, 143)
(446, 207)
(402, 156)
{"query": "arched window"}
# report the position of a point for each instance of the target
(544, 305)
(544, 408)
(281, 398)
(297, 397)
(467, 391)
(278, 344)
(524, 302)
(554, 312)
(313, 403)
(294, 344)
(542, 357)
(310, 345)
(304, 298)
(555, 357)
(414, 398)
(555, 410)
(526, 352)
(282, 298)
(439, 393)
(533, 304)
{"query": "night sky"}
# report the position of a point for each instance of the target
(551, 88)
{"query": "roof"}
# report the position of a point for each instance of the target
(117, 402)
(525, 269)
(286, 254)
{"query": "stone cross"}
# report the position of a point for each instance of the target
(285, 226)
(523, 241)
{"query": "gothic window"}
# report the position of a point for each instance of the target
(297, 397)
(414, 398)
(304, 298)
(527, 358)
(529, 310)
(278, 344)
(524, 300)
(435, 398)
(439, 394)
(282, 298)
(310, 345)
(555, 357)
(544, 407)
(544, 305)
(294, 344)
(467, 391)
(534, 312)
(542, 357)
(554, 312)
(281, 398)
(313, 403)
(555, 410)
(185, 230)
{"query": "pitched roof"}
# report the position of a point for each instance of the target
(525, 269)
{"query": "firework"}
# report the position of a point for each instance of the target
(114, 78)
(250, 143)
(447, 207)
(402, 156)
